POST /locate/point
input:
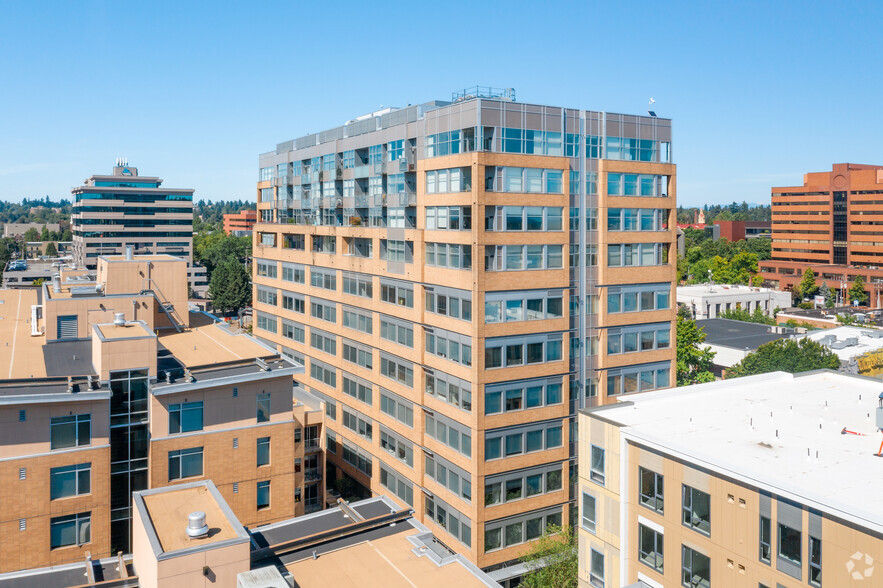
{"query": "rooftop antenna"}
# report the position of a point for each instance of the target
(650, 110)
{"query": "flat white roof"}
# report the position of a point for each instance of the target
(845, 350)
(706, 291)
(778, 432)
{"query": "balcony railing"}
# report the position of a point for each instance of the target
(311, 444)
(312, 474)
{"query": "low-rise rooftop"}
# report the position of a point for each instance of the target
(740, 334)
(848, 342)
(791, 435)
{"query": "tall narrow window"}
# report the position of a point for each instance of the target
(263, 495)
(73, 529)
(650, 547)
(263, 407)
(596, 571)
(789, 544)
(695, 568)
(588, 512)
(697, 510)
(815, 561)
(596, 471)
(766, 540)
(263, 451)
(185, 417)
(651, 489)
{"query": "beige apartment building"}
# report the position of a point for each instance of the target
(765, 481)
(458, 278)
(110, 385)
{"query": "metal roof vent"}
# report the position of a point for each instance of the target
(119, 319)
(196, 527)
(129, 250)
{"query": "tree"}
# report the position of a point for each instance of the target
(230, 287)
(553, 560)
(44, 234)
(51, 250)
(743, 315)
(857, 291)
(807, 286)
(32, 234)
(825, 291)
(693, 358)
(786, 355)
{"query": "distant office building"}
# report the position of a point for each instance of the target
(110, 385)
(459, 277)
(738, 230)
(240, 224)
(829, 224)
(125, 209)
(760, 481)
(19, 229)
(710, 300)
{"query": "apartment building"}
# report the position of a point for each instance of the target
(764, 481)
(829, 224)
(459, 277)
(112, 212)
(240, 224)
(110, 385)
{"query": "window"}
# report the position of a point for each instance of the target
(446, 181)
(448, 432)
(397, 332)
(638, 298)
(397, 369)
(293, 302)
(71, 480)
(448, 218)
(522, 257)
(522, 484)
(596, 468)
(697, 510)
(526, 180)
(515, 530)
(588, 514)
(695, 569)
(448, 255)
(447, 302)
(449, 345)
(263, 451)
(358, 424)
(650, 547)
(400, 294)
(636, 254)
(323, 341)
(70, 431)
(635, 338)
(324, 244)
(263, 407)
(517, 351)
(523, 218)
(265, 268)
(68, 530)
(326, 311)
(766, 539)
(396, 446)
(523, 439)
(596, 570)
(397, 408)
(449, 519)
(185, 417)
(359, 321)
(326, 279)
(651, 489)
(513, 396)
(293, 331)
(356, 458)
(396, 250)
(789, 544)
(266, 322)
(293, 272)
(267, 295)
(185, 463)
(263, 495)
(357, 388)
(523, 306)
(815, 561)
(398, 486)
(323, 372)
(358, 285)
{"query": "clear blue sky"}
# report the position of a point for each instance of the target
(760, 92)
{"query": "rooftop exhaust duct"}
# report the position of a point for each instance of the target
(196, 526)
(129, 250)
(119, 319)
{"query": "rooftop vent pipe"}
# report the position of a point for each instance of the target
(196, 526)
(119, 319)
(129, 249)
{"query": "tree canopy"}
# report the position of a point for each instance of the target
(230, 286)
(693, 359)
(738, 314)
(786, 355)
(857, 291)
(553, 560)
(807, 286)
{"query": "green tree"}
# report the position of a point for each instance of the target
(807, 286)
(693, 358)
(825, 291)
(32, 234)
(743, 315)
(857, 291)
(786, 355)
(230, 287)
(44, 234)
(66, 235)
(553, 560)
(51, 250)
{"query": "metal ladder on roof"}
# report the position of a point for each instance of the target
(167, 307)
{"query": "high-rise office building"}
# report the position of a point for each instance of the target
(763, 481)
(830, 224)
(459, 278)
(125, 209)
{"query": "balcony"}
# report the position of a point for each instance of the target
(312, 474)
(311, 445)
(361, 171)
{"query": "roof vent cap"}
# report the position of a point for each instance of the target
(119, 319)
(196, 526)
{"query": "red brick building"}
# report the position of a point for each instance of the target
(241, 223)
